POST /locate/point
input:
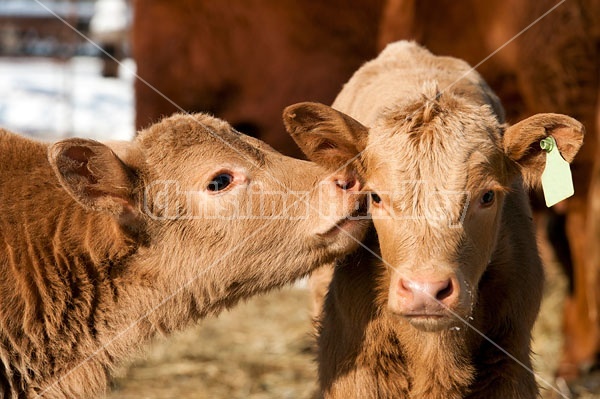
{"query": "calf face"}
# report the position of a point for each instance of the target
(438, 172)
(206, 194)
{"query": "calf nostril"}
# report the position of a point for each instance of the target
(346, 184)
(405, 286)
(445, 291)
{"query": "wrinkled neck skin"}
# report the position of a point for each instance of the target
(367, 352)
(86, 294)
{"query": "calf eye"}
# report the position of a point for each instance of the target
(487, 198)
(220, 182)
(375, 198)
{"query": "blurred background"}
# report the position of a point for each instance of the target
(54, 82)
(106, 68)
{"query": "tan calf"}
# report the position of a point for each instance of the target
(442, 301)
(100, 252)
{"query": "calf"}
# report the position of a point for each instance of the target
(441, 301)
(552, 65)
(102, 249)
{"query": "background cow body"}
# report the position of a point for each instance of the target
(446, 308)
(247, 59)
(101, 252)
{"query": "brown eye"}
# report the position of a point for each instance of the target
(375, 198)
(220, 182)
(487, 198)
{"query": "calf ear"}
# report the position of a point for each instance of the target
(327, 136)
(522, 142)
(94, 176)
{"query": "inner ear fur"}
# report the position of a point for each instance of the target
(522, 142)
(94, 175)
(327, 136)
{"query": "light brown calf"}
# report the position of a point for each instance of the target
(442, 302)
(550, 65)
(99, 252)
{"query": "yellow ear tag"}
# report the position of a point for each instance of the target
(557, 181)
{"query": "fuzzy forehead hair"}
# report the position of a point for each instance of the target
(429, 106)
(437, 132)
(471, 104)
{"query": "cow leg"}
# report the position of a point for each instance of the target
(581, 322)
(594, 235)
(592, 272)
(580, 325)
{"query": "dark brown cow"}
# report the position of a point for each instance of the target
(552, 67)
(245, 60)
(442, 303)
(102, 249)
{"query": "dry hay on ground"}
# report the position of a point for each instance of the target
(262, 350)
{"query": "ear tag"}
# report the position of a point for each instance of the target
(557, 181)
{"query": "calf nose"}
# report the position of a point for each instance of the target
(347, 183)
(354, 200)
(419, 296)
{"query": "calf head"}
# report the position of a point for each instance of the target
(439, 169)
(208, 204)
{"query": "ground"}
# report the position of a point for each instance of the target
(260, 349)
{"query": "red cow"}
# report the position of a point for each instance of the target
(554, 66)
(245, 60)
